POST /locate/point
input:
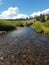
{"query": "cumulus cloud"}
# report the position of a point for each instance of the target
(20, 16)
(12, 13)
(45, 11)
(40, 12)
(35, 14)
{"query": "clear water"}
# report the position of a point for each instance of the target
(18, 42)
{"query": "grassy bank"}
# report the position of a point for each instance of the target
(41, 27)
(37, 27)
(22, 23)
(8, 25)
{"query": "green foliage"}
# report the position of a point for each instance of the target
(41, 27)
(45, 29)
(37, 18)
(37, 27)
(47, 17)
(27, 23)
(19, 24)
(23, 23)
(6, 25)
(40, 18)
(46, 23)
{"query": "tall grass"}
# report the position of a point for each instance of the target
(41, 27)
(37, 27)
(17, 23)
(6, 25)
(23, 23)
(45, 29)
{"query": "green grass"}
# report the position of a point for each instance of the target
(45, 29)
(41, 27)
(17, 23)
(23, 23)
(8, 25)
(37, 27)
(27, 23)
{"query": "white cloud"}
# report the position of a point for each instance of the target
(36, 14)
(40, 12)
(20, 16)
(45, 11)
(12, 13)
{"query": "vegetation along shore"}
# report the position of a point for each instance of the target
(40, 24)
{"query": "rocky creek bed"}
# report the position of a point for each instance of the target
(24, 47)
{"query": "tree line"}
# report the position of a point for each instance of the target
(42, 17)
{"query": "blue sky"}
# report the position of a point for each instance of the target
(25, 6)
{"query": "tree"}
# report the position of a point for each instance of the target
(37, 18)
(47, 17)
(42, 18)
